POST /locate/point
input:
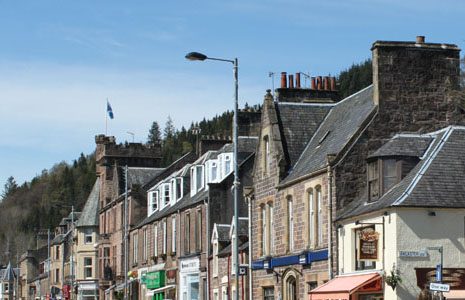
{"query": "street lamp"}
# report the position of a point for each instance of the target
(201, 57)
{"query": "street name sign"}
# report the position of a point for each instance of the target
(439, 287)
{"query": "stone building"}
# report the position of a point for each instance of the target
(411, 89)
(419, 208)
(85, 248)
(112, 161)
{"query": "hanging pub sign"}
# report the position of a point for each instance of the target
(368, 244)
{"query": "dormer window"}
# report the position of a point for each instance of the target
(227, 165)
(176, 188)
(154, 196)
(383, 173)
(166, 194)
(199, 177)
(214, 172)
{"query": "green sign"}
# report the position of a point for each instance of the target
(155, 280)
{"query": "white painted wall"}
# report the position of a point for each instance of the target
(417, 231)
(408, 229)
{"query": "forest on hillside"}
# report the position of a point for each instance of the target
(41, 203)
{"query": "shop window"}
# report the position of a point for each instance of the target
(268, 293)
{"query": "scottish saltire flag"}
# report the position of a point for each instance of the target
(109, 110)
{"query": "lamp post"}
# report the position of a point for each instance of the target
(201, 57)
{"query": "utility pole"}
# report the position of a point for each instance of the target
(126, 234)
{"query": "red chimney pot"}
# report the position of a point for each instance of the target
(283, 80)
(291, 81)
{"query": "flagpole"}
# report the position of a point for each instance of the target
(106, 118)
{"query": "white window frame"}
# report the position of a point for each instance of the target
(167, 194)
(88, 233)
(200, 185)
(87, 267)
(227, 164)
(154, 204)
(214, 166)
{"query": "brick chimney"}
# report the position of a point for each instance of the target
(411, 81)
(320, 91)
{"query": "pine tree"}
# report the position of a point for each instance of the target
(154, 136)
(9, 187)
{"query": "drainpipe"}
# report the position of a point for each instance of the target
(249, 204)
(330, 218)
(207, 212)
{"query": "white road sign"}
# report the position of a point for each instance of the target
(439, 287)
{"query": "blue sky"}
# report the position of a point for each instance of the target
(60, 60)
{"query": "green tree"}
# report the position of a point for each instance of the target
(10, 187)
(154, 136)
(355, 78)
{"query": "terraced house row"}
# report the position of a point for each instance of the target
(358, 198)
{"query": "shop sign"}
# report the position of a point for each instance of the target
(421, 253)
(368, 244)
(155, 280)
(189, 265)
(454, 277)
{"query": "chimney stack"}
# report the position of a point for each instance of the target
(291, 81)
(283, 80)
(333, 83)
(313, 86)
(420, 39)
(297, 80)
(326, 83)
(319, 82)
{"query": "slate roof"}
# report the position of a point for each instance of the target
(90, 215)
(298, 122)
(336, 130)
(404, 145)
(436, 181)
(8, 274)
(140, 176)
(72, 216)
(58, 239)
(227, 250)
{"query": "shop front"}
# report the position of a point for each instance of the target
(189, 274)
(87, 290)
(155, 283)
(367, 286)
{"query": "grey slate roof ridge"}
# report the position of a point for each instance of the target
(89, 215)
(291, 176)
(400, 193)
